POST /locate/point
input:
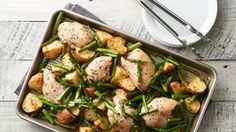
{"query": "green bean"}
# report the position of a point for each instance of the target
(148, 112)
(111, 55)
(190, 122)
(113, 123)
(180, 74)
(192, 99)
(106, 85)
(109, 51)
(177, 96)
(172, 119)
(172, 60)
(66, 125)
(145, 103)
(139, 97)
(57, 23)
(110, 107)
(46, 114)
(133, 93)
(78, 92)
(53, 38)
(88, 46)
(154, 77)
(62, 67)
(114, 65)
(134, 46)
(44, 63)
(63, 94)
(177, 127)
(65, 19)
(139, 71)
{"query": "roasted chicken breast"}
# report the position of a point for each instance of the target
(147, 68)
(74, 33)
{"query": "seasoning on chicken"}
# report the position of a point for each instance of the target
(147, 68)
(74, 33)
(99, 69)
(51, 88)
(164, 107)
(124, 123)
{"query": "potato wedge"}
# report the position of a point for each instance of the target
(90, 115)
(118, 44)
(83, 56)
(194, 107)
(73, 78)
(121, 94)
(100, 106)
(75, 111)
(85, 129)
(103, 37)
(36, 82)
(65, 116)
(168, 67)
(52, 50)
(196, 86)
(120, 74)
(66, 60)
(176, 87)
(31, 103)
(127, 84)
(103, 125)
(90, 91)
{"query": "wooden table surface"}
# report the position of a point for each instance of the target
(22, 23)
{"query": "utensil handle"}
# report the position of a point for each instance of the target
(172, 31)
(180, 20)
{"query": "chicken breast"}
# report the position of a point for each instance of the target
(99, 69)
(74, 33)
(147, 68)
(124, 124)
(164, 106)
(51, 88)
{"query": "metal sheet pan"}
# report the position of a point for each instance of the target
(192, 65)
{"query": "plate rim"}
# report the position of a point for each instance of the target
(205, 31)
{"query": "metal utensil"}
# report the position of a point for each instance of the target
(171, 30)
(180, 20)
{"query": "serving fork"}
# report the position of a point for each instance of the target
(171, 30)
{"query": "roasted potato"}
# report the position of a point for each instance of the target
(31, 103)
(65, 116)
(196, 86)
(118, 44)
(66, 60)
(73, 78)
(121, 94)
(176, 87)
(100, 106)
(103, 37)
(36, 82)
(90, 91)
(90, 115)
(120, 74)
(85, 129)
(52, 50)
(75, 110)
(83, 56)
(127, 84)
(194, 107)
(168, 67)
(102, 124)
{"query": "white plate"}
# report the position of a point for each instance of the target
(199, 13)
